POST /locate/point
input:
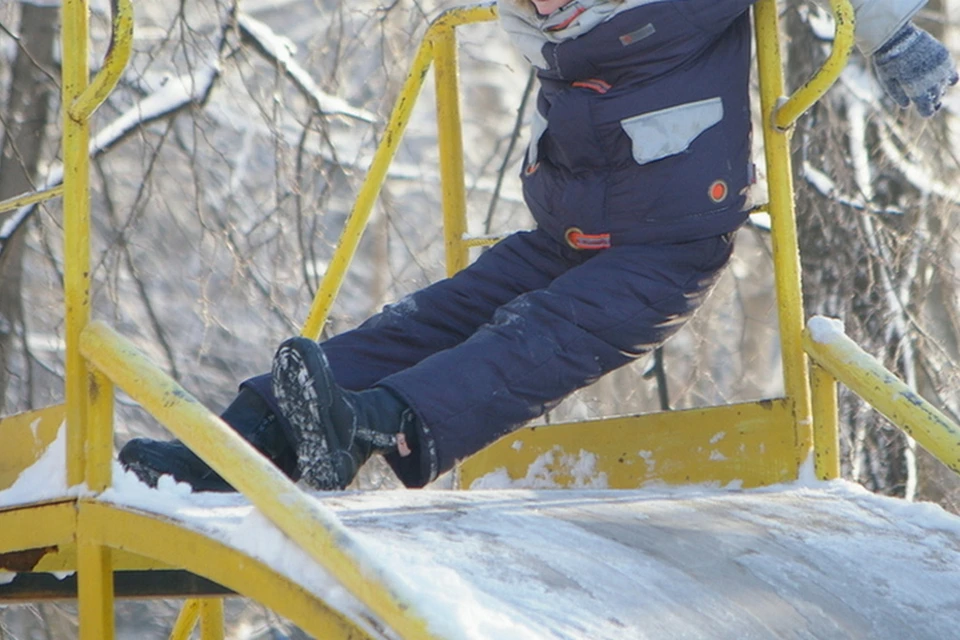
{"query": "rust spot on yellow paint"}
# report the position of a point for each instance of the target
(93, 387)
(18, 561)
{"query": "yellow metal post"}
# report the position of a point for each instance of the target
(786, 254)
(450, 141)
(94, 581)
(79, 100)
(99, 445)
(777, 119)
(826, 431)
(94, 562)
(211, 619)
(76, 230)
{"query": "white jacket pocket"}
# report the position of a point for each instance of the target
(660, 134)
(538, 125)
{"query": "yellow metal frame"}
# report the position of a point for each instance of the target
(96, 359)
(840, 359)
(792, 436)
(439, 44)
(27, 199)
(733, 445)
(210, 615)
(756, 443)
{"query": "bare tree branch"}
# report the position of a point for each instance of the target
(280, 51)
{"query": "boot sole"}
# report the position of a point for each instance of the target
(302, 384)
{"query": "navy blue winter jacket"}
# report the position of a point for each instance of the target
(642, 131)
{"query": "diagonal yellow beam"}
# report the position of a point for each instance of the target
(301, 518)
(367, 196)
(186, 620)
(868, 378)
(440, 31)
(30, 198)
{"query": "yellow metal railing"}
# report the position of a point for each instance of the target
(778, 115)
(317, 532)
(80, 98)
(815, 88)
(98, 358)
(115, 61)
(826, 427)
(785, 245)
(439, 45)
(27, 199)
(842, 360)
(208, 612)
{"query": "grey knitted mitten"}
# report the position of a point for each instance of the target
(913, 66)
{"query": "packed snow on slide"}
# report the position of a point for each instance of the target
(808, 559)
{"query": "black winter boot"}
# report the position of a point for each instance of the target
(249, 416)
(334, 430)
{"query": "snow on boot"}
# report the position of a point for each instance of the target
(249, 416)
(335, 430)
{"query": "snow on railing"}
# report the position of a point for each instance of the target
(831, 349)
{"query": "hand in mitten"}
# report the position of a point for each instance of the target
(914, 67)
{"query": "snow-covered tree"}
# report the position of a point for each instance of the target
(875, 207)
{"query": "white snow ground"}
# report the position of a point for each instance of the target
(805, 560)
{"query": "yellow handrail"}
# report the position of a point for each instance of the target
(367, 196)
(863, 374)
(76, 230)
(86, 396)
(316, 531)
(826, 428)
(777, 116)
(115, 61)
(817, 86)
(30, 198)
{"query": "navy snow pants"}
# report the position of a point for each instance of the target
(529, 322)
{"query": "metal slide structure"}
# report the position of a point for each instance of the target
(672, 563)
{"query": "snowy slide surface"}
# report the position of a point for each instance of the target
(806, 560)
(815, 561)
